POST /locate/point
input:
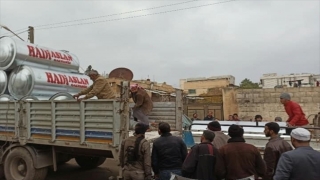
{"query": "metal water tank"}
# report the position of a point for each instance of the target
(15, 52)
(62, 96)
(3, 81)
(31, 81)
(6, 97)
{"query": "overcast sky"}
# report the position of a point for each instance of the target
(244, 38)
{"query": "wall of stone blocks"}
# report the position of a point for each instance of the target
(266, 102)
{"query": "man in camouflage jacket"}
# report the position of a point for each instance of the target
(100, 88)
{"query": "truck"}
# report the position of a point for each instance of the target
(38, 134)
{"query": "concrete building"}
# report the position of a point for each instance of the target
(197, 86)
(273, 80)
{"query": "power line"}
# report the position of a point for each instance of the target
(131, 17)
(7, 34)
(97, 17)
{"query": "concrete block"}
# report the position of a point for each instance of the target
(240, 95)
(275, 95)
(248, 95)
(292, 89)
(306, 99)
(268, 90)
(296, 99)
(311, 93)
(258, 100)
(299, 94)
(265, 95)
(256, 95)
(280, 90)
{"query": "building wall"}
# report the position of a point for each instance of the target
(230, 105)
(272, 80)
(266, 102)
(202, 86)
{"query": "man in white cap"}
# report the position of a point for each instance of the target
(294, 111)
(301, 163)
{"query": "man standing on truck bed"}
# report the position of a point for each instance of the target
(294, 111)
(100, 87)
(143, 103)
(135, 156)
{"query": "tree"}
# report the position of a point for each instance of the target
(248, 84)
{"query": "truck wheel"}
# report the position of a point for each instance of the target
(1, 172)
(88, 162)
(19, 165)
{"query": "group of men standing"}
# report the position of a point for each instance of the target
(220, 156)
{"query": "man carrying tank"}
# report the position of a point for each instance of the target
(100, 87)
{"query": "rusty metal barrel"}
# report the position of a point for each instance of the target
(44, 83)
(14, 53)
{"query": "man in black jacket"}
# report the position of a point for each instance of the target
(168, 153)
(204, 161)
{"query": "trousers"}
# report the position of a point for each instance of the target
(137, 113)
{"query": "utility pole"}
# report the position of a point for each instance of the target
(31, 34)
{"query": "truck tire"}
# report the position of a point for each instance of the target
(87, 162)
(19, 165)
(1, 172)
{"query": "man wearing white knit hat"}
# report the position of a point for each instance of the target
(301, 163)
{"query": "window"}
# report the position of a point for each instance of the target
(191, 91)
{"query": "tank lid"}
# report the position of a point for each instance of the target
(8, 52)
(21, 82)
(3, 81)
(6, 97)
(61, 96)
(29, 98)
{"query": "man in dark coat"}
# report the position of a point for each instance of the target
(204, 161)
(241, 160)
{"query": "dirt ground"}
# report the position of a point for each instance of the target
(71, 171)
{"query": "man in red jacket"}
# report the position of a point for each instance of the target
(294, 111)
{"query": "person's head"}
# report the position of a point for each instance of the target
(230, 117)
(235, 116)
(214, 126)
(164, 128)
(93, 74)
(300, 137)
(284, 98)
(258, 118)
(235, 131)
(271, 129)
(278, 119)
(140, 128)
(195, 115)
(207, 136)
(210, 113)
(134, 88)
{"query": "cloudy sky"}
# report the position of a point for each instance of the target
(243, 38)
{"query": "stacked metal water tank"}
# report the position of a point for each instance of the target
(29, 71)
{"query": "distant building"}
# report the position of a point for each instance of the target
(273, 80)
(197, 86)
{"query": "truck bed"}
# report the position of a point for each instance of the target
(89, 124)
